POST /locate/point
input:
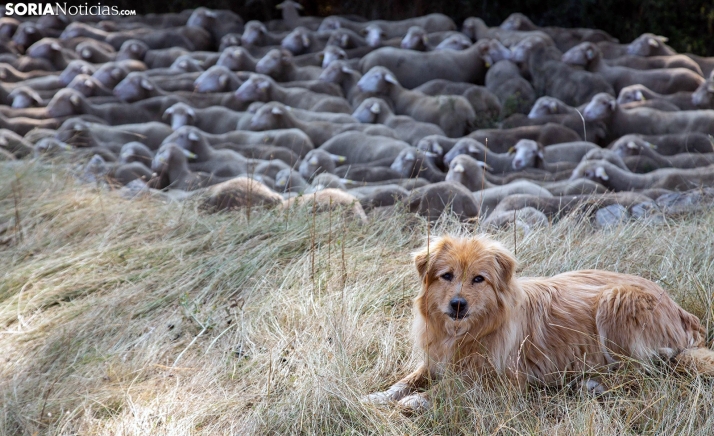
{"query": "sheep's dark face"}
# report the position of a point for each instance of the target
(601, 107)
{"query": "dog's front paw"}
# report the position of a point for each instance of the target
(415, 403)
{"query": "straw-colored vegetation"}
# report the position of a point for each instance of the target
(145, 317)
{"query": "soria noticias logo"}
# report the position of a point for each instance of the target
(39, 9)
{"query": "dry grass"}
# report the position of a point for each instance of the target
(143, 317)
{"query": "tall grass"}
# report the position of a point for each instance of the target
(146, 317)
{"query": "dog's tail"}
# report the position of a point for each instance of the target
(696, 360)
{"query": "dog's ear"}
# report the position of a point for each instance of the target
(423, 258)
(506, 265)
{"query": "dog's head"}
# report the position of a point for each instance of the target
(466, 285)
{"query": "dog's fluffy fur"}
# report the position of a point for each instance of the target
(473, 316)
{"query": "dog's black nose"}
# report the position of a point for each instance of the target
(459, 307)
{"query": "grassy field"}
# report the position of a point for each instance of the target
(144, 317)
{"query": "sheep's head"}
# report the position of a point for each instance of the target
(601, 107)
(378, 80)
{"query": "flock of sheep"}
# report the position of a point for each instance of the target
(515, 122)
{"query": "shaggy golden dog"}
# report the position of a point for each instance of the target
(473, 316)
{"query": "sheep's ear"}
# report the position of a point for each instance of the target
(30, 30)
(147, 85)
(345, 39)
(651, 145)
(458, 168)
(473, 149)
(600, 173)
(613, 104)
(590, 54)
(338, 158)
(116, 73)
(276, 111)
(639, 96)
(632, 145)
(425, 39)
(134, 48)
(348, 70)
(55, 46)
(710, 86)
(74, 99)
(263, 84)
(223, 80)
(553, 107)
(191, 112)
(37, 98)
(86, 53)
(653, 42)
(167, 112)
(321, 56)
(511, 150)
(484, 165)
(541, 154)
(391, 79)
(305, 40)
(88, 83)
(663, 38)
(193, 136)
(313, 160)
(188, 154)
(438, 149)
(375, 109)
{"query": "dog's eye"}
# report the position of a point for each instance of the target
(447, 276)
(478, 279)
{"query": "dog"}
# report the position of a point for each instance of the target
(474, 317)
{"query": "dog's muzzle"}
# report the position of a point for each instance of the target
(458, 308)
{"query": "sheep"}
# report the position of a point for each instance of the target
(135, 151)
(360, 148)
(391, 29)
(560, 206)
(87, 134)
(347, 39)
(262, 152)
(412, 162)
(53, 51)
(240, 192)
(452, 113)
(531, 154)
(276, 116)
(69, 102)
(501, 140)
(264, 88)
(568, 151)
(374, 196)
(672, 144)
(216, 79)
(292, 139)
(411, 68)
(111, 73)
(339, 73)
(608, 155)
(206, 159)
(326, 199)
(455, 42)
(278, 64)
(302, 40)
(95, 51)
(648, 150)
(375, 110)
(15, 144)
(10, 74)
(564, 39)
(616, 179)
(703, 97)
(255, 33)
(236, 59)
(368, 173)
(705, 63)
(592, 131)
(417, 38)
(486, 105)
(308, 115)
(665, 81)
(547, 105)
(170, 162)
(516, 94)
(683, 100)
(24, 97)
(552, 77)
(432, 200)
(649, 44)
(269, 168)
(289, 180)
(476, 29)
(214, 119)
(319, 161)
(655, 62)
(646, 121)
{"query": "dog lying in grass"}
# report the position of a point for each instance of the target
(474, 317)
